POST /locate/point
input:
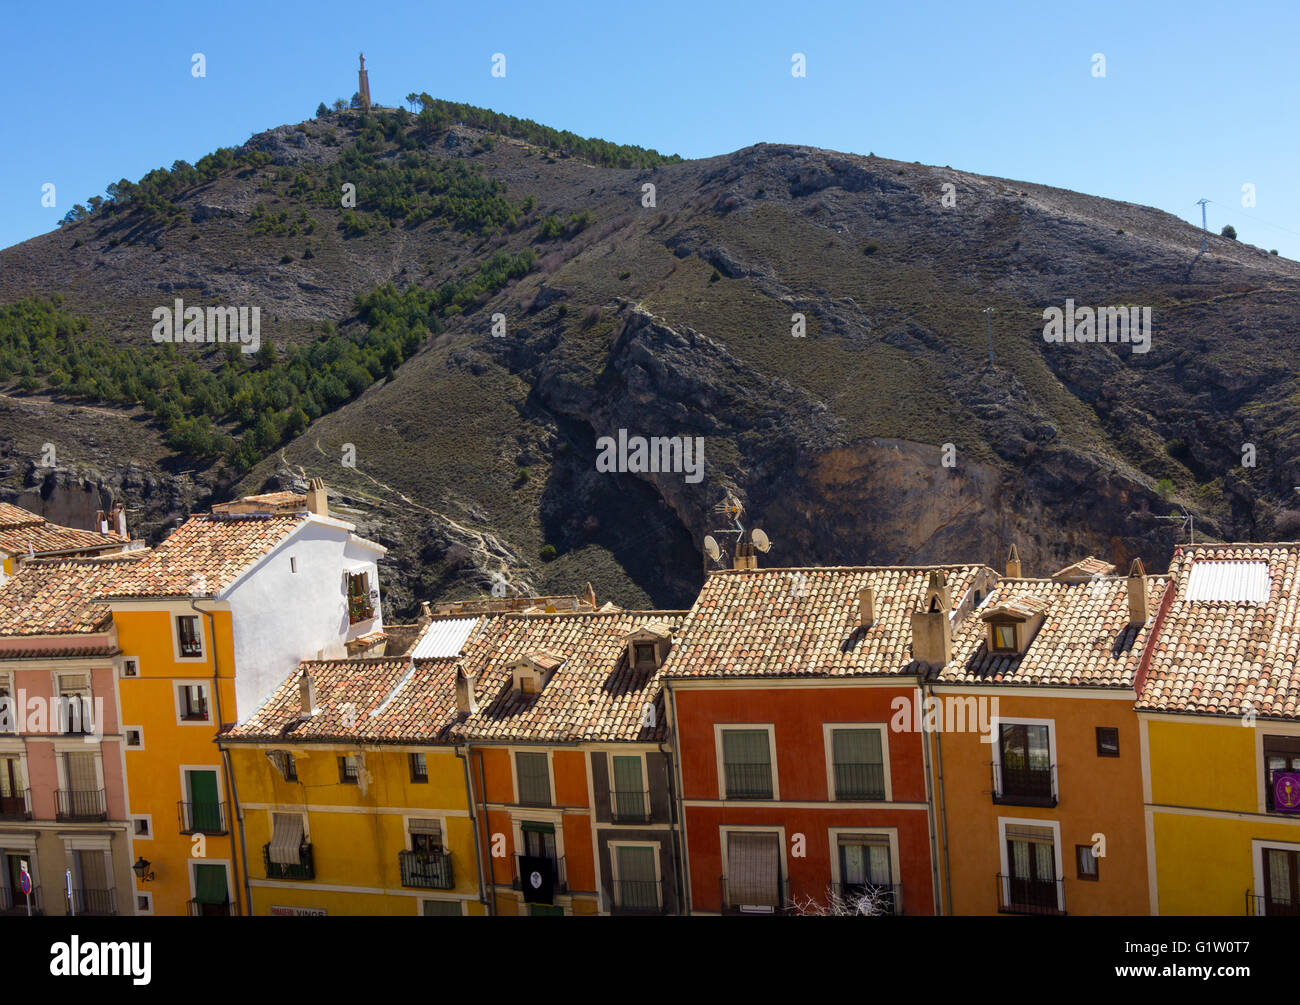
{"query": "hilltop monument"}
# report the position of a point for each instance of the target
(363, 84)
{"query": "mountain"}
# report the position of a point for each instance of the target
(882, 435)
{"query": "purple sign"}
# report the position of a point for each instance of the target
(1286, 792)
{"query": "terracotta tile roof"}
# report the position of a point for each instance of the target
(1225, 657)
(22, 533)
(267, 502)
(378, 700)
(62, 652)
(804, 622)
(592, 696)
(1085, 568)
(1085, 638)
(60, 597)
(1017, 605)
(205, 555)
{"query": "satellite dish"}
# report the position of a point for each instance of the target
(711, 547)
(761, 540)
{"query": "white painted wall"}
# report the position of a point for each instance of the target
(282, 617)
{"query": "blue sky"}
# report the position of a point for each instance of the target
(1196, 101)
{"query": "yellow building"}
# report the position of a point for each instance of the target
(352, 801)
(1219, 715)
(208, 623)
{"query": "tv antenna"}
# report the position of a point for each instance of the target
(742, 549)
(1186, 520)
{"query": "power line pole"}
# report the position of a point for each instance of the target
(988, 314)
(1204, 231)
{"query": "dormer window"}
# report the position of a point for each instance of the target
(1004, 638)
(647, 646)
(645, 653)
(527, 683)
(531, 672)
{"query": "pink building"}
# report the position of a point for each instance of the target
(63, 806)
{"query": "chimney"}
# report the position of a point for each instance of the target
(465, 702)
(867, 606)
(306, 696)
(426, 616)
(591, 596)
(117, 516)
(101, 521)
(1137, 593)
(745, 557)
(931, 629)
(1013, 563)
(317, 497)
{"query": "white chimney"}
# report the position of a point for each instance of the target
(118, 515)
(867, 606)
(306, 696)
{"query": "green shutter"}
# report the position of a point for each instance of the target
(528, 825)
(210, 884)
(534, 778)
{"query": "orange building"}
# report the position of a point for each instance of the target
(565, 734)
(794, 697)
(1038, 762)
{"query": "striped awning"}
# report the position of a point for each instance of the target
(286, 841)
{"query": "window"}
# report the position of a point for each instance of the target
(348, 771)
(1030, 885)
(629, 795)
(858, 763)
(1281, 882)
(140, 826)
(290, 767)
(134, 737)
(1086, 862)
(75, 707)
(13, 794)
(359, 606)
(753, 880)
(130, 668)
(747, 763)
(419, 769)
(193, 701)
(144, 903)
(1025, 765)
(293, 564)
(1282, 773)
(534, 776)
(8, 707)
(636, 885)
(1004, 638)
(188, 640)
(527, 683)
(203, 812)
(644, 652)
(865, 869)
(426, 835)
(211, 895)
(1108, 741)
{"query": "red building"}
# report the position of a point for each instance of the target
(793, 699)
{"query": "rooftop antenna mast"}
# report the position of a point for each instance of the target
(1186, 520)
(743, 550)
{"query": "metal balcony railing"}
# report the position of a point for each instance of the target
(749, 781)
(1262, 905)
(871, 898)
(94, 902)
(14, 902)
(304, 868)
(426, 870)
(202, 818)
(629, 807)
(1030, 896)
(772, 897)
(17, 806)
(636, 896)
(1018, 786)
(199, 910)
(80, 805)
(860, 781)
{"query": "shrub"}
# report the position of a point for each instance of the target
(548, 553)
(1165, 488)
(1229, 231)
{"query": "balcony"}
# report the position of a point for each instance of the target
(749, 781)
(80, 805)
(1017, 786)
(202, 818)
(302, 869)
(16, 807)
(635, 896)
(774, 898)
(1030, 896)
(860, 781)
(199, 910)
(426, 870)
(627, 807)
(1262, 905)
(14, 902)
(557, 865)
(102, 903)
(870, 899)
